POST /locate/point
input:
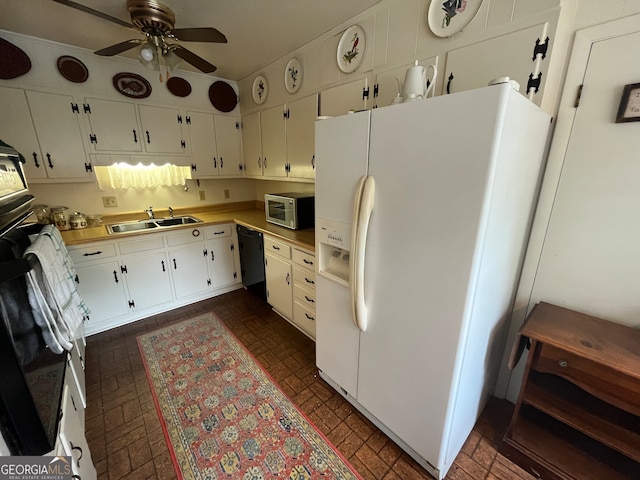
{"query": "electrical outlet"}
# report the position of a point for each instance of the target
(202, 195)
(227, 194)
(110, 201)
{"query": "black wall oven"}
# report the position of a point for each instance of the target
(32, 376)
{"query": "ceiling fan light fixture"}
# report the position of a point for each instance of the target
(147, 53)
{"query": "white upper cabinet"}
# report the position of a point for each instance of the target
(114, 127)
(519, 55)
(227, 132)
(57, 125)
(252, 145)
(162, 129)
(204, 151)
(301, 118)
(356, 95)
(274, 141)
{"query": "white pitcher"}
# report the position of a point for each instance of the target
(415, 82)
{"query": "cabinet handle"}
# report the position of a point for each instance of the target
(563, 363)
(308, 262)
(219, 232)
(175, 266)
(73, 402)
(76, 477)
(115, 276)
(73, 447)
(221, 163)
(275, 248)
(259, 162)
(92, 253)
(310, 300)
(49, 160)
(264, 162)
(213, 257)
(215, 163)
(162, 262)
(35, 160)
(309, 317)
(313, 162)
(451, 77)
(148, 137)
(135, 136)
(287, 279)
(309, 281)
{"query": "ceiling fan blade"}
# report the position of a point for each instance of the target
(190, 57)
(119, 48)
(91, 11)
(204, 34)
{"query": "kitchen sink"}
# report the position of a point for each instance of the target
(126, 227)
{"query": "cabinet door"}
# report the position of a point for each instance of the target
(189, 269)
(301, 124)
(73, 439)
(202, 138)
(339, 100)
(114, 126)
(509, 55)
(279, 281)
(58, 128)
(228, 139)
(17, 130)
(274, 143)
(148, 280)
(161, 129)
(252, 145)
(222, 265)
(102, 288)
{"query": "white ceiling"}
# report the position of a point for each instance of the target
(258, 31)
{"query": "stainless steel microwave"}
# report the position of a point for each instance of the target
(290, 210)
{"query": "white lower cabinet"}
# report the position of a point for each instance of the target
(290, 277)
(72, 438)
(132, 278)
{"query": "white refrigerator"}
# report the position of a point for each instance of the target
(422, 214)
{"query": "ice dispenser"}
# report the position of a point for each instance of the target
(334, 242)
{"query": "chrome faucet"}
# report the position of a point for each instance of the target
(170, 212)
(150, 213)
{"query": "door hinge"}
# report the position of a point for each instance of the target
(188, 119)
(534, 83)
(179, 118)
(365, 93)
(205, 252)
(132, 304)
(123, 269)
(93, 138)
(286, 114)
(77, 279)
(88, 167)
(86, 107)
(578, 96)
(540, 48)
(193, 167)
(208, 281)
(237, 125)
(235, 275)
(183, 144)
(375, 90)
(74, 108)
(233, 247)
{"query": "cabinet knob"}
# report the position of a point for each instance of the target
(563, 363)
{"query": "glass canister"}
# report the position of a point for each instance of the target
(43, 213)
(78, 220)
(94, 220)
(60, 217)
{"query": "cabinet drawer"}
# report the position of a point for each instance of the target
(304, 259)
(599, 380)
(218, 231)
(186, 236)
(305, 297)
(304, 278)
(150, 242)
(304, 318)
(96, 252)
(279, 248)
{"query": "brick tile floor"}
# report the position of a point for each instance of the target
(126, 438)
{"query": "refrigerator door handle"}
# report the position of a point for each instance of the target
(363, 207)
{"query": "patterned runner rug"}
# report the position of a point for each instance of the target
(224, 416)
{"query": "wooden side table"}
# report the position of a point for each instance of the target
(578, 413)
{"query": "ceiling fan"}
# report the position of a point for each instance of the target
(156, 21)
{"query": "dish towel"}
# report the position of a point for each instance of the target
(53, 296)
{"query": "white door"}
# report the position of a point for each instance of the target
(204, 150)
(102, 287)
(17, 130)
(148, 280)
(279, 284)
(274, 142)
(590, 257)
(222, 267)
(300, 136)
(336, 101)
(114, 125)
(228, 139)
(252, 145)
(161, 129)
(189, 269)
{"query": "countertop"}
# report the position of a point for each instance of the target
(242, 213)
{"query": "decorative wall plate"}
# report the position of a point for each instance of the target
(179, 86)
(293, 75)
(222, 96)
(351, 49)
(72, 69)
(260, 90)
(13, 61)
(447, 17)
(131, 85)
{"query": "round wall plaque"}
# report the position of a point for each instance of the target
(72, 69)
(222, 96)
(179, 86)
(131, 85)
(13, 61)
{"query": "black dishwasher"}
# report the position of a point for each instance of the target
(252, 260)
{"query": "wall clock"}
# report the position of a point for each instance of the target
(293, 75)
(131, 85)
(260, 90)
